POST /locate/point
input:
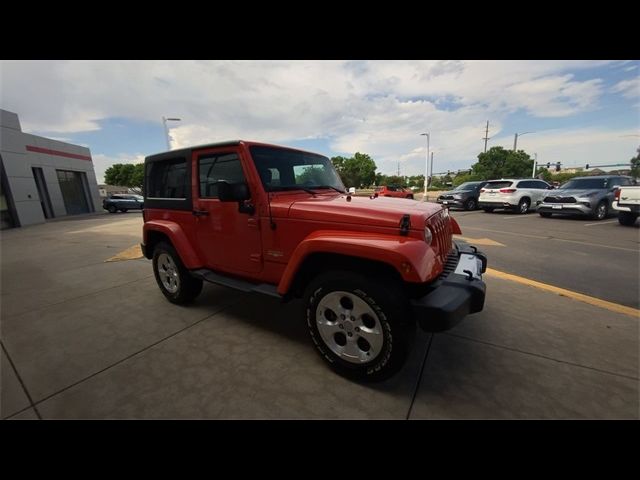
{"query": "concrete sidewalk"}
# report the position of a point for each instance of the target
(90, 339)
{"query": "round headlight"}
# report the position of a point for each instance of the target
(428, 236)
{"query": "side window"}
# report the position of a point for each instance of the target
(623, 182)
(541, 185)
(167, 179)
(525, 184)
(115, 197)
(218, 167)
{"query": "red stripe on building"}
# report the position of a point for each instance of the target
(57, 153)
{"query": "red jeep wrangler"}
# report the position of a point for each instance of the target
(276, 220)
(393, 191)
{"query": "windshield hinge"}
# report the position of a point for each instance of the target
(405, 224)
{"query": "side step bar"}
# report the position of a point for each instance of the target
(236, 283)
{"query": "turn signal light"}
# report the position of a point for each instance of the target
(617, 195)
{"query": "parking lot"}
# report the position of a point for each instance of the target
(87, 335)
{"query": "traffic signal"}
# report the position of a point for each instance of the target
(557, 166)
(548, 165)
(587, 168)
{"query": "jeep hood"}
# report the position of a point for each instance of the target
(380, 211)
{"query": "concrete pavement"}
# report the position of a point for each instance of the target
(90, 339)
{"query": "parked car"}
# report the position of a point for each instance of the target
(393, 191)
(516, 194)
(626, 201)
(588, 196)
(123, 203)
(464, 196)
(255, 219)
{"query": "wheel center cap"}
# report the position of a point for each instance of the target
(348, 326)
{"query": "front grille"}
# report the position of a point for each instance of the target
(446, 197)
(551, 199)
(450, 265)
(441, 228)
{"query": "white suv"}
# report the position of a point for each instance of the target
(520, 195)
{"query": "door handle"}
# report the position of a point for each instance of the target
(200, 213)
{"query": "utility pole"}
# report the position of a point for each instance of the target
(486, 137)
(426, 169)
(398, 168)
(535, 164)
(515, 140)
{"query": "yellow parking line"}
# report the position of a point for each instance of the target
(614, 307)
(130, 253)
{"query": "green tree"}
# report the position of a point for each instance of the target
(501, 163)
(125, 175)
(357, 171)
(635, 165)
(313, 175)
(466, 177)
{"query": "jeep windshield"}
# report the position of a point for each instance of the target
(586, 184)
(281, 169)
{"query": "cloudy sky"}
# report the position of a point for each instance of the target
(580, 111)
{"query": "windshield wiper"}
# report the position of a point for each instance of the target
(329, 186)
(289, 188)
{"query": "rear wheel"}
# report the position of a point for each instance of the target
(410, 196)
(172, 277)
(600, 211)
(361, 326)
(470, 204)
(627, 218)
(488, 209)
(545, 214)
(112, 209)
(523, 205)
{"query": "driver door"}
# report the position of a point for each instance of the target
(227, 239)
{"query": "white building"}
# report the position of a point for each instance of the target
(42, 178)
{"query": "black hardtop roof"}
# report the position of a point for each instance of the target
(229, 143)
(598, 176)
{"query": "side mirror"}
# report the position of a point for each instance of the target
(550, 187)
(233, 192)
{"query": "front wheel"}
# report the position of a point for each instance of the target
(172, 277)
(600, 212)
(360, 325)
(627, 218)
(112, 209)
(470, 204)
(523, 206)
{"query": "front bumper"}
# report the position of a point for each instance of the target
(455, 295)
(565, 208)
(451, 203)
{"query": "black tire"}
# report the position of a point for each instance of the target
(112, 209)
(188, 287)
(124, 210)
(382, 297)
(410, 196)
(488, 209)
(601, 211)
(627, 218)
(470, 204)
(523, 206)
(545, 214)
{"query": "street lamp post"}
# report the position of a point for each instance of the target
(166, 129)
(535, 164)
(515, 140)
(426, 169)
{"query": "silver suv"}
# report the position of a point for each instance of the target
(590, 196)
(516, 194)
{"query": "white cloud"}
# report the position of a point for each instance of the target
(628, 88)
(102, 162)
(378, 107)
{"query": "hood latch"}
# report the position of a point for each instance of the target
(405, 224)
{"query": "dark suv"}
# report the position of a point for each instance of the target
(123, 202)
(589, 196)
(463, 196)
